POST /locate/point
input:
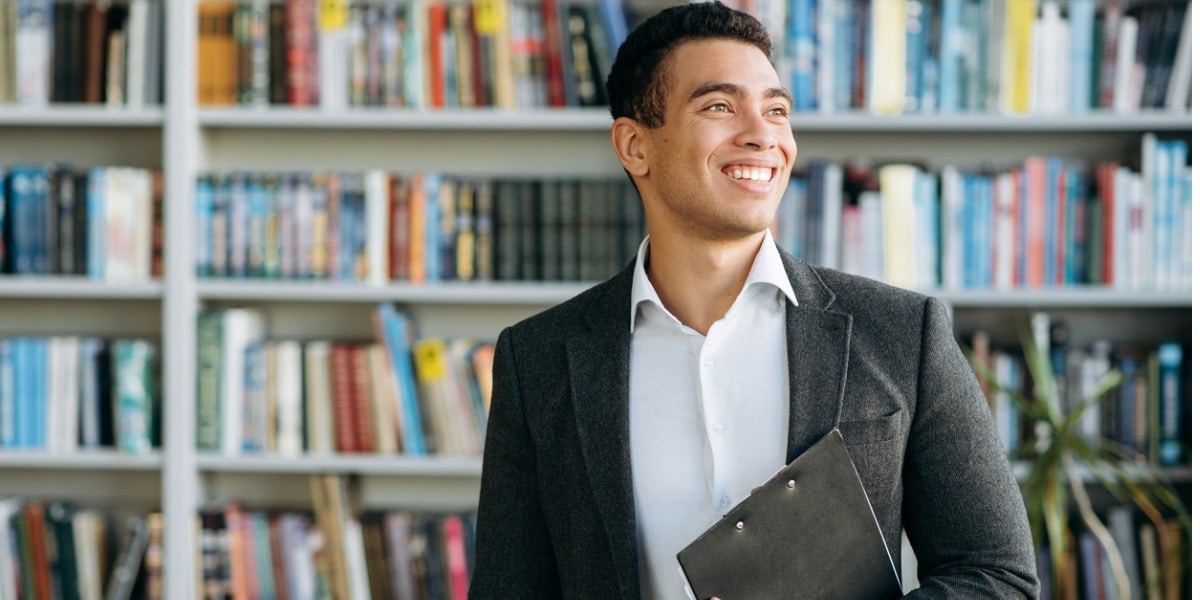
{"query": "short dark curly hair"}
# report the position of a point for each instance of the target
(637, 84)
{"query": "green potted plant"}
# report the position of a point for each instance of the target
(1060, 456)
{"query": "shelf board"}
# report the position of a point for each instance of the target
(414, 120)
(476, 293)
(81, 288)
(595, 119)
(1067, 297)
(980, 123)
(105, 460)
(79, 115)
(479, 293)
(386, 465)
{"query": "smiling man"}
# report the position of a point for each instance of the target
(627, 420)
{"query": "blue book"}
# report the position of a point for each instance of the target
(1053, 207)
(27, 213)
(969, 233)
(949, 57)
(433, 227)
(843, 56)
(204, 226)
(1162, 217)
(1170, 389)
(4, 225)
(8, 394)
(238, 225)
(986, 202)
(258, 212)
(1081, 17)
(802, 43)
(1070, 226)
(1022, 224)
(133, 395)
(397, 337)
(615, 24)
(1180, 214)
(916, 42)
(97, 226)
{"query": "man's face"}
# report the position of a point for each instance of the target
(719, 165)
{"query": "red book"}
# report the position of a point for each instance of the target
(1035, 222)
(437, 67)
(1060, 236)
(456, 557)
(342, 377)
(1105, 173)
(556, 93)
(398, 230)
(35, 522)
(301, 35)
(364, 434)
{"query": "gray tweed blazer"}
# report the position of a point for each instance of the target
(556, 509)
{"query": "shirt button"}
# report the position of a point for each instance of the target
(726, 501)
(708, 362)
(718, 428)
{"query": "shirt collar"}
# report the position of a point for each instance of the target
(767, 269)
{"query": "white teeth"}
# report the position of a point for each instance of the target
(751, 173)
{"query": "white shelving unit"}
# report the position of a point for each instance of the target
(185, 140)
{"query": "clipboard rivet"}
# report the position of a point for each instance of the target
(791, 483)
(740, 525)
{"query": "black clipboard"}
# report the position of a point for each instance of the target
(808, 532)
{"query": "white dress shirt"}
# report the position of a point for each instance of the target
(708, 415)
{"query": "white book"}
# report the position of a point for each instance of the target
(1149, 202)
(952, 229)
(1184, 271)
(1179, 90)
(831, 215)
(1125, 93)
(1095, 366)
(826, 51)
(377, 184)
(333, 56)
(8, 575)
(1006, 231)
(852, 240)
(897, 184)
(886, 68)
(385, 400)
(301, 200)
(240, 328)
(289, 398)
(87, 533)
(136, 53)
(1052, 35)
(356, 560)
(1123, 219)
(54, 396)
(114, 85)
(68, 433)
(1133, 239)
(870, 206)
(1121, 526)
(1180, 217)
(34, 37)
(318, 405)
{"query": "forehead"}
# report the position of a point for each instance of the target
(695, 62)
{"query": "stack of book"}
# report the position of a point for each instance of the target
(398, 394)
(417, 55)
(66, 394)
(93, 52)
(421, 227)
(105, 222)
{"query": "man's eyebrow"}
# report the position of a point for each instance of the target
(736, 90)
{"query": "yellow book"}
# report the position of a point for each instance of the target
(886, 90)
(492, 27)
(897, 183)
(1016, 87)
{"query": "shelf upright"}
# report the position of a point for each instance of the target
(180, 483)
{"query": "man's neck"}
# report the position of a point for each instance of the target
(698, 282)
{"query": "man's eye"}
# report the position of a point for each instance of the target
(718, 107)
(778, 112)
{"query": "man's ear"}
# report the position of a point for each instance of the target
(629, 139)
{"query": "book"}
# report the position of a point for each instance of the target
(753, 551)
(128, 564)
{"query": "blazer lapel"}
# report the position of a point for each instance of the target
(818, 356)
(599, 375)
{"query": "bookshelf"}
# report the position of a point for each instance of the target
(185, 139)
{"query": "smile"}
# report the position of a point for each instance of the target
(745, 172)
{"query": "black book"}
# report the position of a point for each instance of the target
(808, 532)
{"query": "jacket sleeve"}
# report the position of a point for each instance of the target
(513, 554)
(962, 508)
